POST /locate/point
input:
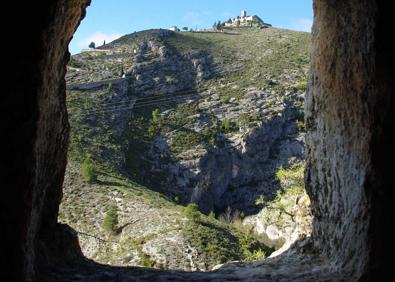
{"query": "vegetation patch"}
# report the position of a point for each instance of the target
(88, 170)
(110, 220)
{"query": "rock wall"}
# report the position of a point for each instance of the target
(35, 124)
(348, 112)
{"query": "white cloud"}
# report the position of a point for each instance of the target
(98, 38)
(302, 24)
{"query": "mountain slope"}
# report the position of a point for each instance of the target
(198, 117)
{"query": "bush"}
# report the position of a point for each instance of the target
(244, 119)
(226, 125)
(110, 220)
(155, 115)
(300, 126)
(215, 243)
(251, 248)
(74, 63)
(88, 170)
(260, 201)
(291, 178)
(184, 140)
(146, 261)
(301, 85)
(192, 212)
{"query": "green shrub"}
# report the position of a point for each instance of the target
(211, 215)
(214, 243)
(192, 212)
(300, 126)
(146, 261)
(110, 220)
(291, 178)
(184, 140)
(74, 63)
(88, 170)
(244, 119)
(210, 136)
(226, 125)
(155, 115)
(260, 201)
(251, 248)
(301, 85)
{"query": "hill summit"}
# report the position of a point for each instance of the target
(244, 20)
(179, 139)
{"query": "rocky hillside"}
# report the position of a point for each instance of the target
(163, 119)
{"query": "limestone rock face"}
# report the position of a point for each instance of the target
(189, 86)
(37, 130)
(347, 109)
(288, 217)
(349, 116)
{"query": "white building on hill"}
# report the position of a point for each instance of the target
(244, 20)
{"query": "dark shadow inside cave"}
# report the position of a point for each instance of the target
(349, 125)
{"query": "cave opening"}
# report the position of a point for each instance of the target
(174, 161)
(350, 137)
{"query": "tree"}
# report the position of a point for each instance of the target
(110, 220)
(104, 43)
(92, 45)
(192, 212)
(226, 125)
(185, 28)
(155, 115)
(88, 170)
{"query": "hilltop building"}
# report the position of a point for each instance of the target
(174, 28)
(244, 20)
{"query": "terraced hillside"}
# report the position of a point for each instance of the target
(162, 119)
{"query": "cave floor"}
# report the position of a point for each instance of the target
(290, 266)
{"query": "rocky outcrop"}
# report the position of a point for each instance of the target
(348, 107)
(287, 218)
(37, 132)
(231, 176)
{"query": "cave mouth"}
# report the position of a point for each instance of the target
(350, 135)
(104, 202)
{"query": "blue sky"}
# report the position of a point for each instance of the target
(110, 19)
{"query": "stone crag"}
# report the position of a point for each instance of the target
(197, 131)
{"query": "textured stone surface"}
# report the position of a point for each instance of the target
(36, 127)
(350, 109)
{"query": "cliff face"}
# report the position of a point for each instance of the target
(37, 128)
(176, 114)
(348, 102)
(218, 137)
